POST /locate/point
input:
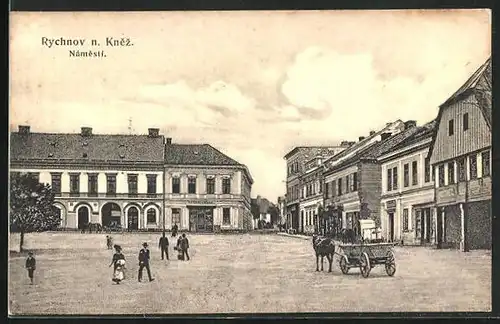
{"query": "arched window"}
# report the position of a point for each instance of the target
(151, 216)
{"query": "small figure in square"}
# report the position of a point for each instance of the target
(31, 266)
(175, 228)
(184, 246)
(109, 242)
(163, 245)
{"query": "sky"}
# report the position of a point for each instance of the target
(252, 84)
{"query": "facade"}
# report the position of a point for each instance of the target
(105, 179)
(205, 190)
(282, 210)
(311, 195)
(296, 161)
(460, 155)
(352, 186)
(407, 198)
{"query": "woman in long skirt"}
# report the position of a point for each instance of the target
(118, 264)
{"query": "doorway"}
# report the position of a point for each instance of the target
(201, 219)
(83, 217)
(133, 218)
(439, 228)
(427, 213)
(391, 226)
(111, 215)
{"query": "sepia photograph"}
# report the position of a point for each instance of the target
(250, 162)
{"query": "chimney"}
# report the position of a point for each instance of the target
(153, 132)
(344, 143)
(410, 124)
(169, 140)
(350, 143)
(372, 133)
(86, 131)
(24, 129)
(361, 138)
(385, 136)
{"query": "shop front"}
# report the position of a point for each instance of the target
(201, 218)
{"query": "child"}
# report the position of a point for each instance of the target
(109, 242)
(31, 266)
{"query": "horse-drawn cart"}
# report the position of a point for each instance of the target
(366, 256)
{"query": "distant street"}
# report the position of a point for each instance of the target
(239, 273)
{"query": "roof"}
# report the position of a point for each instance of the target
(423, 132)
(298, 148)
(479, 85)
(196, 154)
(97, 147)
(376, 149)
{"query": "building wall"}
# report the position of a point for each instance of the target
(370, 189)
(477, 137)
(479, 225)
(453, 226)
(237, 200)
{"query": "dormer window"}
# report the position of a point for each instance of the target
(85, 144)
(53, 144)
(84, 155)
(122, 156)
(121, 145)
(51, 154)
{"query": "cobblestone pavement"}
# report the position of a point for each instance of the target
(239, 273)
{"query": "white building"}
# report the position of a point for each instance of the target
(408, 190)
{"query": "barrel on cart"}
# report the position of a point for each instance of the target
(366, 256)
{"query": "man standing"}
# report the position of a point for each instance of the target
(163, 245)
(144, 261)
(175, 228)
(184, 245)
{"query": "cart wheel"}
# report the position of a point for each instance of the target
(343, 264)
(390, 264)
(364, 265)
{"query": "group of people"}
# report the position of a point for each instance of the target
(118, 260)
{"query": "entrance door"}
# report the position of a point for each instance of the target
(133, 218)
(111, 215)
(83, 217)
(428, 225)
(391, 226)
(439, 229)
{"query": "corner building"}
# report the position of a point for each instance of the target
(205, 190)
(96, 178)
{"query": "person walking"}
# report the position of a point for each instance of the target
(184, 246)
(118, 263)
(144, 257)
(109, 242)
(31, 266)
(163, 245)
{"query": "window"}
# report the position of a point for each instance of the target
(56, 183)
(339, 189)
(405, 220)
(111, 184)
(334, 188)
(92, 184)
(461, 168)
(466, 121)
(485, 157)
(226, 186)
(226, 216)
(427, 170)
(395, 178)
(441, 175)
(192, 185)
(210, 186)
(176, 216)
(451, 173)
(151, 216)
(450, 127)
(320, 187)
(327, 187)
(347, 186)
(414, 173)
(389, 179)
(354, 184)
(473, 166)
(151, 183)
(132, 185)
(302, 192)
(176, 185)
(74, 183)
(406, 175)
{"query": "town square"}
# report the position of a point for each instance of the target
(248, 171)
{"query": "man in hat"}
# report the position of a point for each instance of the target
(31, 266)
(163, 245)
(144, 261)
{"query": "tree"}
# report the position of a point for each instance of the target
(31, 206)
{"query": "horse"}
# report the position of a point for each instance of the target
(324, 247)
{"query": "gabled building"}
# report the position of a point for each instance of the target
(296, 161)
(96, 178)
(407, 184)
(352, 182)
(206, 190)
(460, 154)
